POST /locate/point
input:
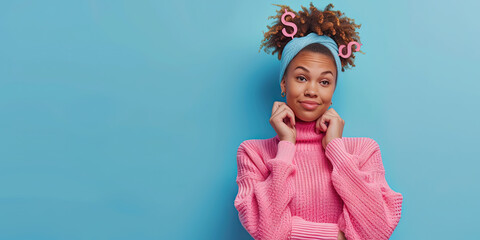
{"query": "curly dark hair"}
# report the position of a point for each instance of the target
(327, 22)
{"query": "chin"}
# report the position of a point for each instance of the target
(308, 117)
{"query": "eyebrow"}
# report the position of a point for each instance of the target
(326, 72)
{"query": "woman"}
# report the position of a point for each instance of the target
(309, 182)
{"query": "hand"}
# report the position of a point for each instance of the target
(283, 121)
(331, 123)
(341, 236)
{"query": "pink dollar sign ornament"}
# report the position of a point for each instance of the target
(340, 49)
(289, 24)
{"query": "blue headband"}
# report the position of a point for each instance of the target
(298, 43)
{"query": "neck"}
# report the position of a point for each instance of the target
(307, 138)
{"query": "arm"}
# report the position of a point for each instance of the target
(265, 190)
(371, 208)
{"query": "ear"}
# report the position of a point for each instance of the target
(282, 84)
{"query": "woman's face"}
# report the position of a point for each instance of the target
(310, 76)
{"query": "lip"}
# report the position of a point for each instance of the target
(310, 102)
(308, 105)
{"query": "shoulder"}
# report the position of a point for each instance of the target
(254, 152)
(362, 147)
(366, 150)
(258, 149)
(257, 145)
(360, 144)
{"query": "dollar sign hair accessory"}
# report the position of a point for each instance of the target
(349, 46)
(296, 44)
(284, 21)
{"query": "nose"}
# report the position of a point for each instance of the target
(310, 91)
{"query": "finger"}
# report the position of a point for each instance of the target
(324, 122)
(280, 114)
(292, 118)
(291, 111)
(286, 116)
(283, 106)
(292, 115)
(276, 104)
(279, 105)
(320, 123)
(317, 125)
(333, 112)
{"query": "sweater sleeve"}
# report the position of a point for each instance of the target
(371, 208)
(265, 190)
(303, 229)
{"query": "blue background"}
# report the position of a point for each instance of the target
(121, 119)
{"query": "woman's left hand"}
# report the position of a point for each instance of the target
(331, 123)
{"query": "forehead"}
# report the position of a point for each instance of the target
(313, 61)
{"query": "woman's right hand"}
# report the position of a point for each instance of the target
(283, 121)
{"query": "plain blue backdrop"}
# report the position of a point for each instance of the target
(121, 119)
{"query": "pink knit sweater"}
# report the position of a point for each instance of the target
(301, 191)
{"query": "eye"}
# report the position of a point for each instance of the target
(327, 82)
(301, 77)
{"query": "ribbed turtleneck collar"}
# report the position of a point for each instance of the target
(307, 138)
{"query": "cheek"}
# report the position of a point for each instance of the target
(295, 92)
(327, 97)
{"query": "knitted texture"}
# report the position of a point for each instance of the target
(302, 191)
